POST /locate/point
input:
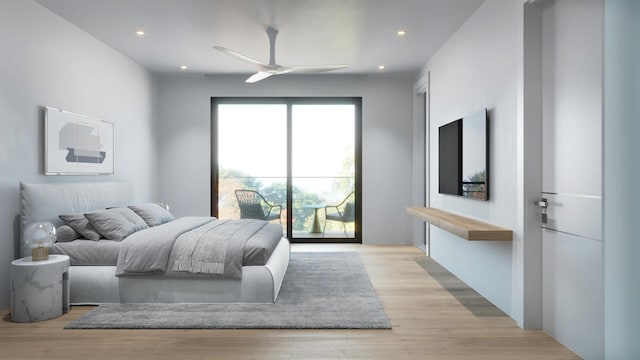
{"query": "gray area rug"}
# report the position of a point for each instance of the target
(469, 298)
(321, 290)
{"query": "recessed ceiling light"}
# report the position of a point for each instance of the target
(183, 67)
(381, 67)
(401, 33)
(140, 33)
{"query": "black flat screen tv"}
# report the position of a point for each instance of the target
(463, 161)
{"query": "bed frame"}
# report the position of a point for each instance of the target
(98, 284)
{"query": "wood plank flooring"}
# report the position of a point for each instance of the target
(428, 323)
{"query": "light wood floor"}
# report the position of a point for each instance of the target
(428, 323)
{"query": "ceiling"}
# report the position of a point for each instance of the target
(361, 33)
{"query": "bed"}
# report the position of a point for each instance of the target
(98, 283)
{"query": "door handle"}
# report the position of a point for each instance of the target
(543, 204)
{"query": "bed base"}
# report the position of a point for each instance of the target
(92, 285)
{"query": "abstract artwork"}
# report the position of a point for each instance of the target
(77, 144)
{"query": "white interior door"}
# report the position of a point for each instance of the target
(572, 174)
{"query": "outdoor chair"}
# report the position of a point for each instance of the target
(255, 206)
(344, 212)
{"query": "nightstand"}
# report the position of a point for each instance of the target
(39, 289)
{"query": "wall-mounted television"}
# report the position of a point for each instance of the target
(463, 162)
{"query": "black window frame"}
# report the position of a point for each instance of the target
(289, 102)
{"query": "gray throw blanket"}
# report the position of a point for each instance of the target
(213, 248)
(189, 246)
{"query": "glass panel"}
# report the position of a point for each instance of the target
(323, 170)
(252, 154)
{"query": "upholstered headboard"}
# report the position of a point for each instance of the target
(44, 202)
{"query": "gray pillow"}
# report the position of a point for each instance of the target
(65, 233)
(81, 225)
(116, 223)
(152, 214)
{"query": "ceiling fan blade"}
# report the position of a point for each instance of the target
(239, 56)
(313, 68)
(261, 75)
(272, 68)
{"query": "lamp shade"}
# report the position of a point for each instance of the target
(39, 236)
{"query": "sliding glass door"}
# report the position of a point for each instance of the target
(323, 170)
(252, 153)
(299, 156)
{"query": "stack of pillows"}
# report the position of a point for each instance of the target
(111, 224)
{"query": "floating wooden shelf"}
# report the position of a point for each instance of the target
(462, 226)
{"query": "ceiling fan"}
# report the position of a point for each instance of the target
(272, 68)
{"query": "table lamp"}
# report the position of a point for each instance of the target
(39, 236)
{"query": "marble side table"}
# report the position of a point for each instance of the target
(39, 289)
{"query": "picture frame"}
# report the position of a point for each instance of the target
(77, 144)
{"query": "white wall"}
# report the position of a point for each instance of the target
(478, 68)
(184, 134)
(621, 174)
(47, 61)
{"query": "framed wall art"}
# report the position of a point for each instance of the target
(76, 144)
